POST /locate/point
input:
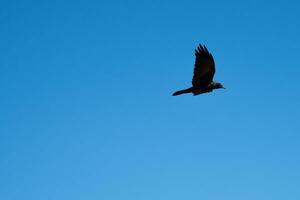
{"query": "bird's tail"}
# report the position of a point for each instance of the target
(182, 91)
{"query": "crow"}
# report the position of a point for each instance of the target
(204, 71)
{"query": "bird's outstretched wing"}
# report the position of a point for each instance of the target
(204, 69)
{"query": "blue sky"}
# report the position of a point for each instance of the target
(87, 111)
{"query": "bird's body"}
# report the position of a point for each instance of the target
(204, 71)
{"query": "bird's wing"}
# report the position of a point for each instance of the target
(204, 69)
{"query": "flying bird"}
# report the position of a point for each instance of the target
(204, 71)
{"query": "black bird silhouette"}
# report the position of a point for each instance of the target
(204, 72)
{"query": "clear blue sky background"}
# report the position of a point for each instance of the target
(87, 112)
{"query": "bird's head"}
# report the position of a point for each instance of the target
(218, 86)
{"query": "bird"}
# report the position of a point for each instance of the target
(204, 71)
